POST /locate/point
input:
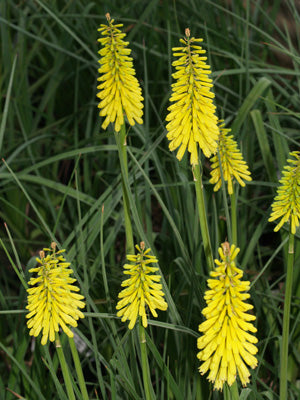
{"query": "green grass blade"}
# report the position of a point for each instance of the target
(22, 370)
(254, 95)
(264, 144)
(7, 103)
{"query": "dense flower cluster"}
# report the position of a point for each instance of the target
(286, 204)
(52, 301)
(226, 346)
(141, 289)
(191, 119)
(232, 162)
(120, 91)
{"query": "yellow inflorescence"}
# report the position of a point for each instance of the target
(233, 165)
(141, 289)
(192, 119)
(286, 204)
(226, 346)
(120, 91)
(52, 301)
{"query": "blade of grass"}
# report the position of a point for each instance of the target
(281, 147)
(43, 222)
(7, 103)
(69, 31)
(264, 144)
(19, 274)
(164, 369)
(22, 370)
(255, 93)
(43, 41)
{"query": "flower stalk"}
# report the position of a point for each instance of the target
(64, 368)
(203, 216)
(286, 319)
(78, 369)
(231, 392)
(225, 202)
(233, 201)
(122, 150)
(144, 358)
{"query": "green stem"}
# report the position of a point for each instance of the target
(233, 218)
(225, 202)
(231, 392)
(145, 364)
(234, 392)
(78, 368)
(203, 216)
(64, 368)
(226, 392)
(286, 319)
(122, 150)
(106, 289)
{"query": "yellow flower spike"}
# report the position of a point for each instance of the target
(191, 118)
(225, 345)
(232, 162)
(52, 301)
(286, 204)
(141, 289)
(119, 89)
